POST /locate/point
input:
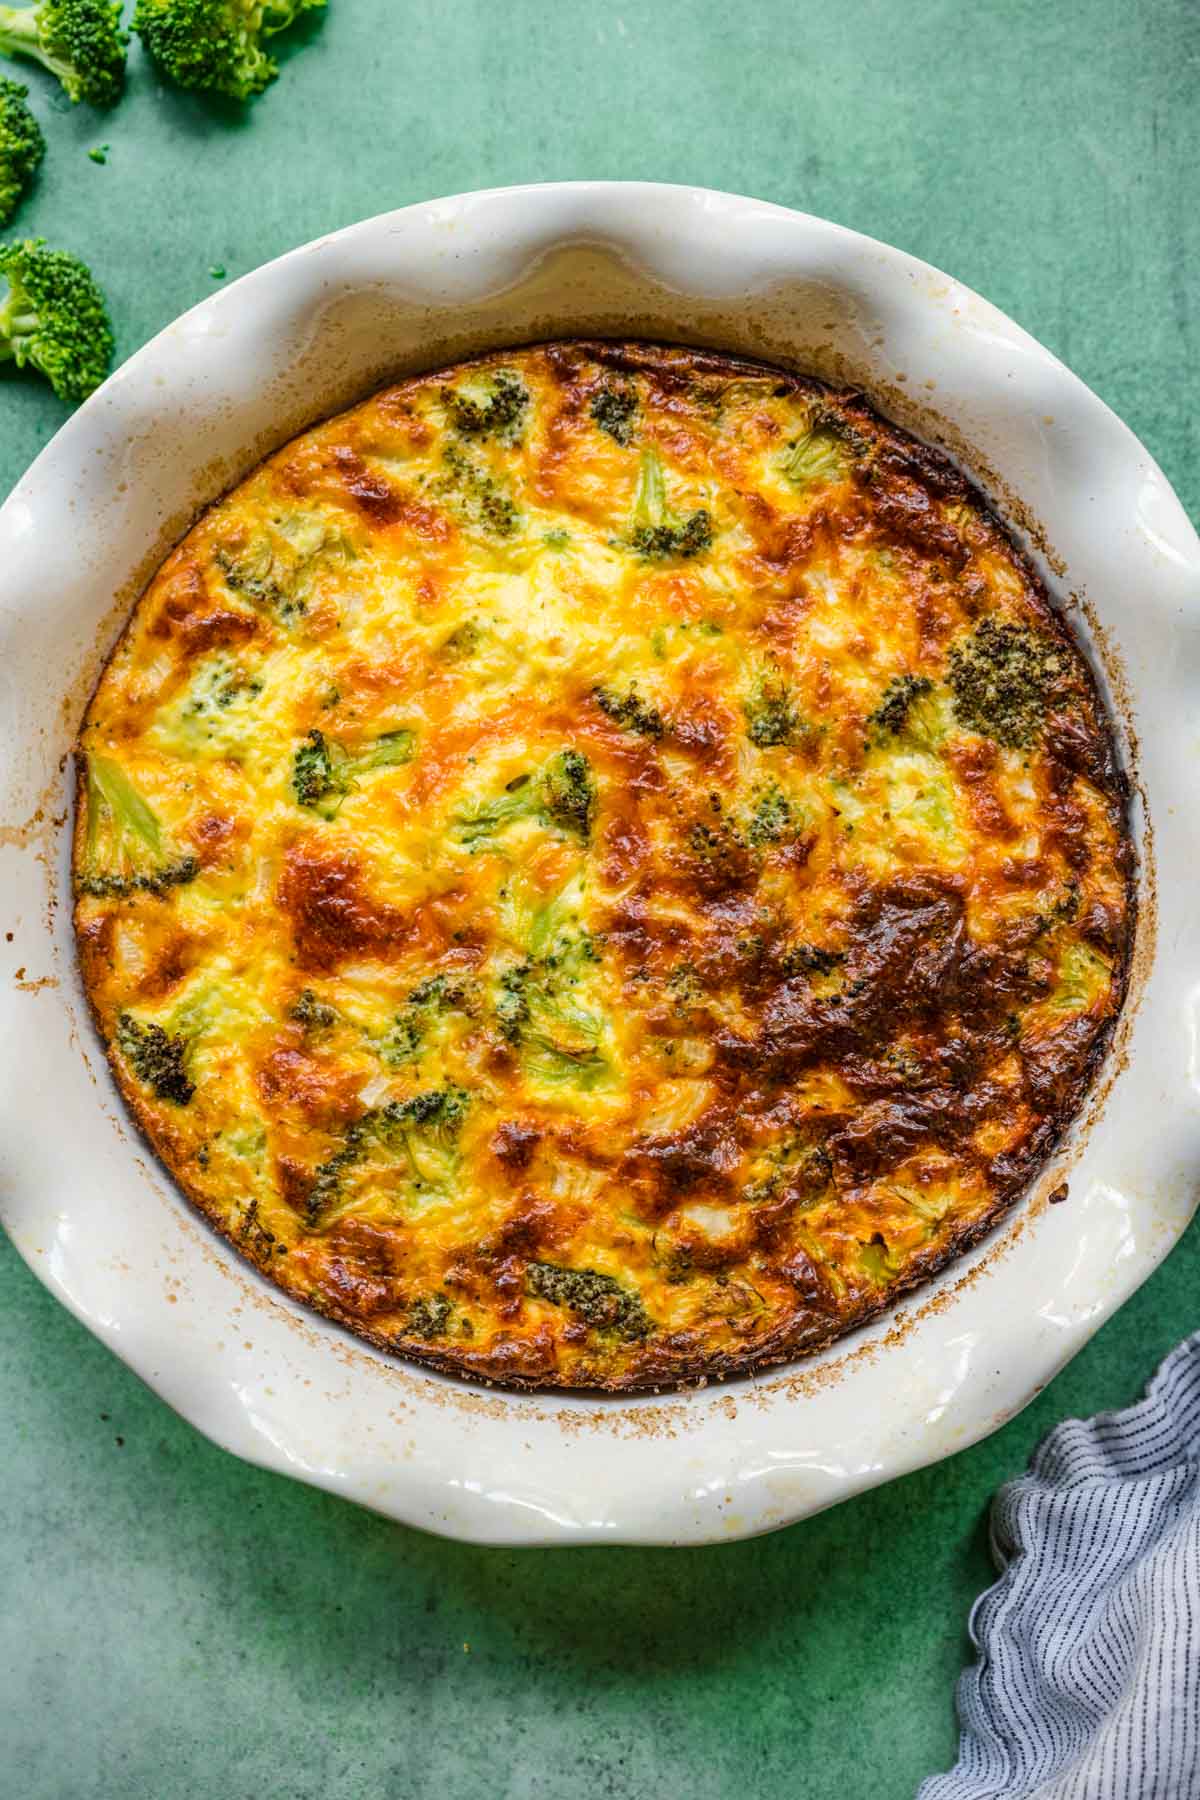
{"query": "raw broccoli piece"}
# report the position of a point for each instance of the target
(1001, 677)
(79, 41)
(158, 1059)
(22, 146)
(562, 794)
(123, 848)
(598, 1299)
(418, 1135)
(53, 318)
(216, 45)
(658, 533)
(323, 773)
(613, 410)
(630, 711)
(500, 414)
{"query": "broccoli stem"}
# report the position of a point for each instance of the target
(80, 42)
(18, 320)
(650, 501)
(658, 533)
(19, 35)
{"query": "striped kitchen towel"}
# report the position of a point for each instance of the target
(1087, 1685)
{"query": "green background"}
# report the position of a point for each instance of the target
(173, 1623)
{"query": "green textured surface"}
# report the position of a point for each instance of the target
(175, 1624)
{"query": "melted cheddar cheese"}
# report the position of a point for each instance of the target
(600, 866)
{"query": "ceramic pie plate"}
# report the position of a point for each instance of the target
(100, 1222)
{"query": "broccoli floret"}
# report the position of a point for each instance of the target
(1083, 979)
(561, 794)
(323, 773)
(313, 1013)
(889, 716)
(257, 575)
(437, 997)
(771, 818)
(216, 45)
(315, 771)
(538, 1005)
(771, 714)
(428, 1318)
(500, 414)
(1001, 677)
(418, 1136)
(537, 1013)
(158, 1059)
(569, 793)
(613, 410)
(53, 318)
(275, 569)
(630, 711)
(806, 1169)
(512, 1001)
(462, 642)
(658, 533)
(481, 501)
(911, 712)
(79, 41)
(215, 714)
(22, 146)
(598, 1299)
(815, 458)
(877, 1262)
(123, 848)
(827, 451)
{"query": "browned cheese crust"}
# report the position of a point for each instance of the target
(600, 867)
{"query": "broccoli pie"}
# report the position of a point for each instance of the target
(600, 867)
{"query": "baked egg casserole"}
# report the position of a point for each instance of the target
(600, 867)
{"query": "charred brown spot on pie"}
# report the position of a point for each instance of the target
(185, 615)
(332, 913)
(588, 954)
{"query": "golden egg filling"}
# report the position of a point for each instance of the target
(600, 867)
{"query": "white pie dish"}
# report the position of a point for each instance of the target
(103, 1226)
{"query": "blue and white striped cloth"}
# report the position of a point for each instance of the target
(1087, 1685)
